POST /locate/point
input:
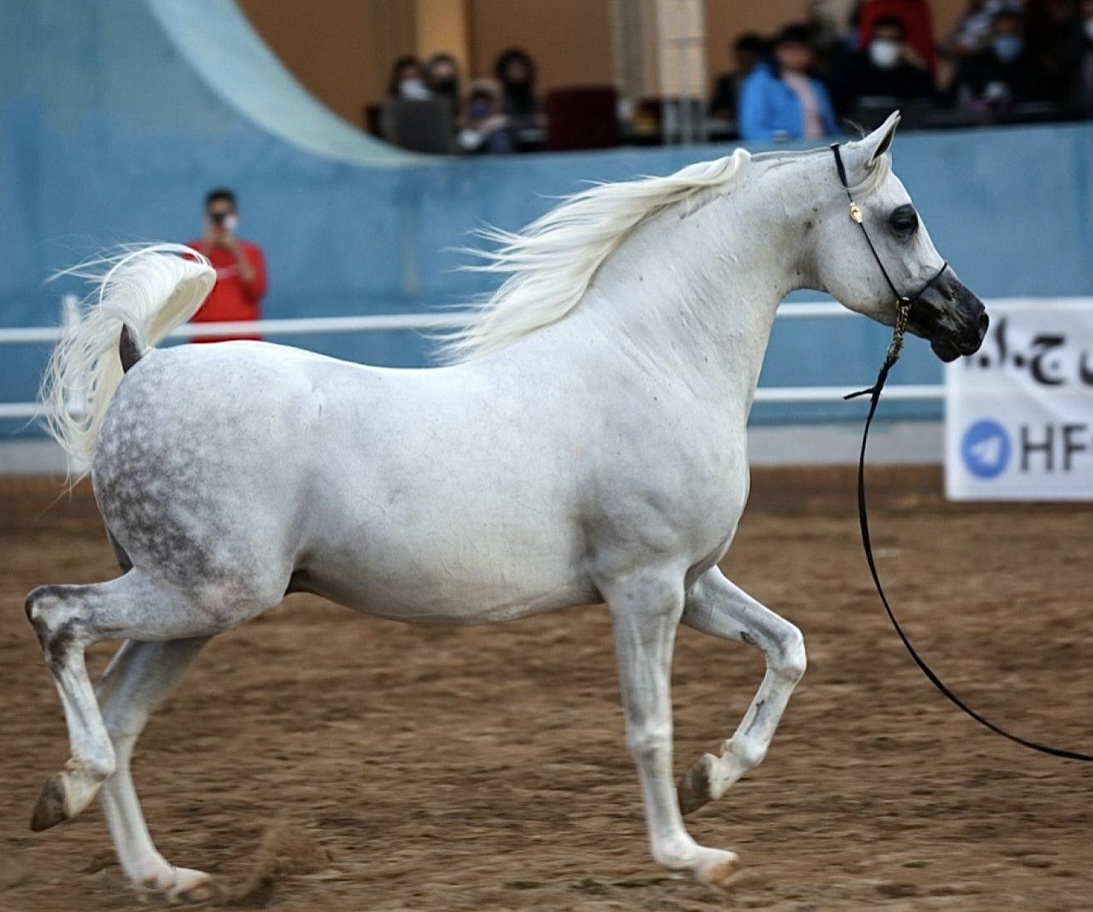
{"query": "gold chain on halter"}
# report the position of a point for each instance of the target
(903, 312)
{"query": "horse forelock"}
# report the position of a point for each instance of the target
(549, 265)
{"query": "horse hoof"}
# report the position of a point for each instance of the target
(50, 810)
(719, 871)
(694, 786)
(194, 888)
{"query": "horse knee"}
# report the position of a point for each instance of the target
(791, 659)
(646, 741)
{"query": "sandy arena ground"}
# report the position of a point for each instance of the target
(318, 760)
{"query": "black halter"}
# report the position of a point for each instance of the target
(904, 302)
(903, 310)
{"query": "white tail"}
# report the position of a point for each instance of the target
(151, 290)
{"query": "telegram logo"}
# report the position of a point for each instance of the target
(986, 449)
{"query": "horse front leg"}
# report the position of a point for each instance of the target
(645, 612)
(717, 607)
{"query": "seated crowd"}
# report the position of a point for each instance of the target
(495, 116)
(1005, 61)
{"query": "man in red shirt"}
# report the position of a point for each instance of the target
(240, 267)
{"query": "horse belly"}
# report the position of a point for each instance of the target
(424, 567)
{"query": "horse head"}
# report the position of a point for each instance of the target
(876, 254)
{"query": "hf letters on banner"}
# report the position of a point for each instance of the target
(1019, 414)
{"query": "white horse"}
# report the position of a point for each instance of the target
(587, 445)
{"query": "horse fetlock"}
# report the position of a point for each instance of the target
(677, 853)
(738, 755)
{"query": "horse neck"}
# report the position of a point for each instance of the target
(691, 296)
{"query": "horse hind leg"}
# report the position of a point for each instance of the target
(59, 617)
(137, 680)
(717, 607)
(68, 619)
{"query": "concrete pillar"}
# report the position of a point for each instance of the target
(659, 49)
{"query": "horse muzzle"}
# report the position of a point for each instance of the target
(950, 316)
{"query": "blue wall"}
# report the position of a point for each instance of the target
(117, 115)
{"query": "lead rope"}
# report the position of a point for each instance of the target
(903, 310)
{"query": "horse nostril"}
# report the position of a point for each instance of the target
(984, 323)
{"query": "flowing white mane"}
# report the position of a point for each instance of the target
(550, 264)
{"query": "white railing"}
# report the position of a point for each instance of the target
(432, 322)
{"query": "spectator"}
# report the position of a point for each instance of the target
(1002, 75)
(515, 71)
(780, 101)
(843, 50)
(240, 267)
(1050, 38)
(442, 81)
(917, 21)
(852, 36)
(486, 129)
(1081, 88)
(972, 33)
(823, 17)
(408, 80)
(887, 69)
(747, 51)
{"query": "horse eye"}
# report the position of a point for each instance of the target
(904, 220)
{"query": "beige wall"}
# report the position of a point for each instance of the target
(570, 40)
(444, 25)
(342, 50)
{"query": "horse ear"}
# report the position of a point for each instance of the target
(880, 140)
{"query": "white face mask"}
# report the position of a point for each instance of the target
(884, 53)
(414, 89)
(229, 222)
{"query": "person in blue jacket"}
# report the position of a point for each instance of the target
(780, 101)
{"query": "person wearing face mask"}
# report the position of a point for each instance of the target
(1003, 75)
(917, 22)
(888, 74)
(442, 80)
(408, 80)
(486, 129)
(240, 267)
(515, 73)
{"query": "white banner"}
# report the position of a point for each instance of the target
(1019, 414)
